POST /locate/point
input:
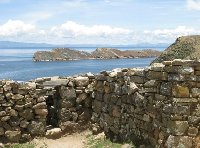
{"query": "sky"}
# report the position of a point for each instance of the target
(98, 21)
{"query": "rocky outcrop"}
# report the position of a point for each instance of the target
(186, 47)
(111, 53)
(63, 54)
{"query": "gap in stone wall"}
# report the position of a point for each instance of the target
(52, 107)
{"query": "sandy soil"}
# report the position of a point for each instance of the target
(76, 140)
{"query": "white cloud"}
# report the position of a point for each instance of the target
(193, 4)
(72, 32)
(74, 29)
(15, 27)
(164, 35)
(18, 30)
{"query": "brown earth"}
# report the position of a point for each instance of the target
(76, 140)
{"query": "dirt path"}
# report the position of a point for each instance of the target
(69, 141)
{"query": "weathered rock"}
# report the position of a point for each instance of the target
(81, 97)
(81, 81)
(2, 113)
(24, 124)
(27, 114)
(13, 136)
(37, 128)
(165, 88)
(41, 105)
(85, 115)
(5, 118)
(180, 91)
(192, 131)
(54, 133)
(116, 111)
(154, 75)
(67, 103)
(56, 82)
(65, 115)
(178, 127)
(176, 141)
(2, 131)
(132, 88)
(41, 112)
(67, 92)
(17, 97)
(195, 92)
(68, 126)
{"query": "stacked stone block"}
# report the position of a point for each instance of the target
(157, 105)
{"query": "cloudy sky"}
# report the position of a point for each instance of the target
(98, 21)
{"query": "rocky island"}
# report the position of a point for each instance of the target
(64, 54)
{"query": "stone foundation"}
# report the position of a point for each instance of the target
(158, 105)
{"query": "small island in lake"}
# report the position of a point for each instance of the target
(65, 54)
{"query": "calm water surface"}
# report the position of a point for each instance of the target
(17, 65)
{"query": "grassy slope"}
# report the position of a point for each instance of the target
(187, 47)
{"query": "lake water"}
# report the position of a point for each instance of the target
(17, 64)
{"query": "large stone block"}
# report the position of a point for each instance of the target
(180, 91)
(56, 82)
(13, 136)
(100, 86)
(41, 105)
(132, 88)
(157, 67)
(116, 111)
(81, 81)
(137, 79)
(151, 83)
(26, 114)
(154, 75)
(166, 88)
(135, 72)
(65, 103)
(17, 97)
(178, 127)
(179, 142)
(2, 131)
(67, 92)
(195, 92)
(184, 100)
(176, 77)
(186, 70)
(97, 106)
(41, 112)
(81, 97)
(65, 114)
(192, 131)
(37, 128)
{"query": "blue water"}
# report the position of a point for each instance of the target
(17, 64)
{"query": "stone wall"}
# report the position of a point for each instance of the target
(158, 105)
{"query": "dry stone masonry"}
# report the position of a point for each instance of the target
(158, 105)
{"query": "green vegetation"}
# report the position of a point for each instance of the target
(102, 142)
(24, 145)
(187, 47)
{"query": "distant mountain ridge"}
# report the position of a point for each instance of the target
(64, 54)
(10, 44)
